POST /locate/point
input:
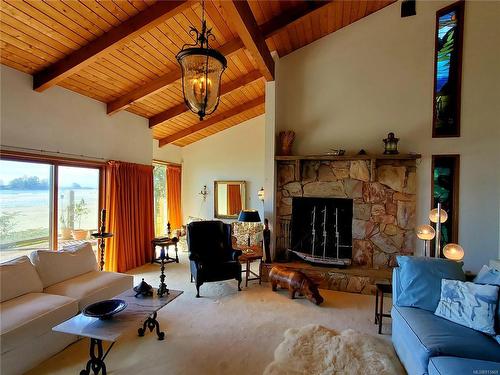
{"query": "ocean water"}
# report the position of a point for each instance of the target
(31, 208)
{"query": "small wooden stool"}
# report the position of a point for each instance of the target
(379, 308)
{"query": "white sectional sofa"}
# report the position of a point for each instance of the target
(41, 292)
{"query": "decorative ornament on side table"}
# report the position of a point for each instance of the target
(391, 145)
(143, 289)
(201, 68)
(286, 139)
(101, 236)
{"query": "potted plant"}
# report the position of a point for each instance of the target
(65, 229)
(81, 210)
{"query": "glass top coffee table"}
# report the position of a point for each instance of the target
(139, 314)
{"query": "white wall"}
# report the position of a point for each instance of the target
(170, 153)
(233, 154)
(63, 121)
(349, 89)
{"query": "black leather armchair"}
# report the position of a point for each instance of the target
(211, 255)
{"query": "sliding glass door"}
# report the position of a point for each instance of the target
(46, 205)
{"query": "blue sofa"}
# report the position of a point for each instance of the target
(428, 344)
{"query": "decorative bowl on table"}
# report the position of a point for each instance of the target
(105, 309)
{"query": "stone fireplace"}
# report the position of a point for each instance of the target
(382, 189)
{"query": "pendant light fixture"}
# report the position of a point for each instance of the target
(202, 69)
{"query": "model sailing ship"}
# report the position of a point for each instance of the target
(319, 256)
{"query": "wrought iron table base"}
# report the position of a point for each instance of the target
(97, 356)
(151, 323)
(96, 362)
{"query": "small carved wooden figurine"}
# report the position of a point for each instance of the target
(295, 281)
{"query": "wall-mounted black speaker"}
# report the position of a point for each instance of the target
(408, 8)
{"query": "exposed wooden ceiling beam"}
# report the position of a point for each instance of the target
(268, 29)
(159, 83)
(276, 24)
(226, 88)
(241, 17)
(122, 34)
(211, 121)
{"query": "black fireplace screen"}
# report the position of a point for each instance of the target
(322, 227)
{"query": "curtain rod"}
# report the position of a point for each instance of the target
(49, 152)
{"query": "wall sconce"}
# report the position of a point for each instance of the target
(260, 194)
(204, 193)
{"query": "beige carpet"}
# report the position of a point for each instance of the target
(224, 332)
(314, 349)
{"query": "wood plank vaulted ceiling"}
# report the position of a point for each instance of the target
(123, 52)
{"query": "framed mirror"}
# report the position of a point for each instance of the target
(229, 199)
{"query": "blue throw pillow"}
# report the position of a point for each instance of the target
(420, 280)
(468, 304)
(490, 276)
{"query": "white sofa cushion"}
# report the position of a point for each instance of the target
(93, 286)
(18, 277)
(31, 315)
(56, 266)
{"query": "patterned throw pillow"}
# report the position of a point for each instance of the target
(491, 276)
(468, 304)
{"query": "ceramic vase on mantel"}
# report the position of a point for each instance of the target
(286, 139)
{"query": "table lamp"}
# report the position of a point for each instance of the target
(426, 233)
(453, 251)
(249, 216)
(438, 216)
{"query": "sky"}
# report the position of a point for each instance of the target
(85, 177)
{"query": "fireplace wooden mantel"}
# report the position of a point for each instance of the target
(349, 157)
(373, 159)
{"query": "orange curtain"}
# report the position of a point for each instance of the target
(233, 199)
(129, 206)
(174, 196)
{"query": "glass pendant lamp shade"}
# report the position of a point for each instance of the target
(202, 70)
(453, 251)
(433, 215)
(425, 232)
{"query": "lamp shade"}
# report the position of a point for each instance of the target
(453, 251)
(425, 232)
(249, 216)
(433, 215)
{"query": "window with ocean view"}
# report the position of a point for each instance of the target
(25, 202)
(46, 206)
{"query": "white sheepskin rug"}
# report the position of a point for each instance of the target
(316, 350)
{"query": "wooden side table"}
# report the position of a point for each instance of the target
(164, 243)
(379, 307)
(250, 255)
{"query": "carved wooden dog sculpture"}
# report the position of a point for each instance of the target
(295, 281)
